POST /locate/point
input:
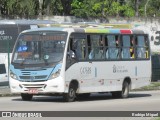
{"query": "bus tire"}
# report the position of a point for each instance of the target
(26, 97)
(71, 95)
(125, 90)
(122, 94)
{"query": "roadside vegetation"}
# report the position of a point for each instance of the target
(80, 8)
(152, 86)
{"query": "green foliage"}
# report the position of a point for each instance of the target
(115, 8)
(21, 8)
(153, 8)
(81, 8)
(128, 11)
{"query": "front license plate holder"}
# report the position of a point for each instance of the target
(33, 91)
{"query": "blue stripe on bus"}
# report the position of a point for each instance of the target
(56, 68)
(114, 31)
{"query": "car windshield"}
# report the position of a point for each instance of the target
(39, 48)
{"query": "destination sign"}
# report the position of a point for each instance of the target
(43, 37)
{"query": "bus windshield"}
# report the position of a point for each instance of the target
(39, 48)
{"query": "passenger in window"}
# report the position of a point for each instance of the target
(126, 45)
(132, 48)
(83, 48)
(146, 48)
(102, 44)
(79, 48)
(106, 44)
(146, 55)
(117, 42)
(141, 50)
(113, 47)
(96, 52)
(117, 48)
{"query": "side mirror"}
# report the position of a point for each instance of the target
(72, 54)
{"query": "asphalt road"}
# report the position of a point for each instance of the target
(142, 101)
(137, 101)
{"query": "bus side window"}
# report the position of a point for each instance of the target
(96, 51)
(113, 47)
(141, 48)
(146, 47)
(126, 47)
(80, 48)
(77, 46)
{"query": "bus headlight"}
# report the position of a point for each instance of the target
(55, 75)
(12, 75)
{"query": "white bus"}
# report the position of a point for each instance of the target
(74, 62)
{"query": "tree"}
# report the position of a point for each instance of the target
(20, 8)
(66, 4)
(153, 8)
(81, 8)
(3, 9)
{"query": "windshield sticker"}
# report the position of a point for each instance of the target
(25, 54)
(22, 48)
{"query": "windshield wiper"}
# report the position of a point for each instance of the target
(22, 63)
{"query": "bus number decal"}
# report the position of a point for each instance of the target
(157, 42)
(85, 70)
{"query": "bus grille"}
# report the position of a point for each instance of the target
(33, 85)
(31, 77)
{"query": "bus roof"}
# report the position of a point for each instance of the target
(89, 24)
(88, 30)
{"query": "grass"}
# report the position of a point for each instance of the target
(157, 118)
(152, 86)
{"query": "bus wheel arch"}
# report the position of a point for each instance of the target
(72, 90)
(124, 93)
(128, 80)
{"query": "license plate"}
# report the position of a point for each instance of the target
(33, 91)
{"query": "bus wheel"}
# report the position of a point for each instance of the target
(122, 94)
(71, 95)
(125, 90)
(26, 97)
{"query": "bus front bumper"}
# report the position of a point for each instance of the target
(51, 86)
